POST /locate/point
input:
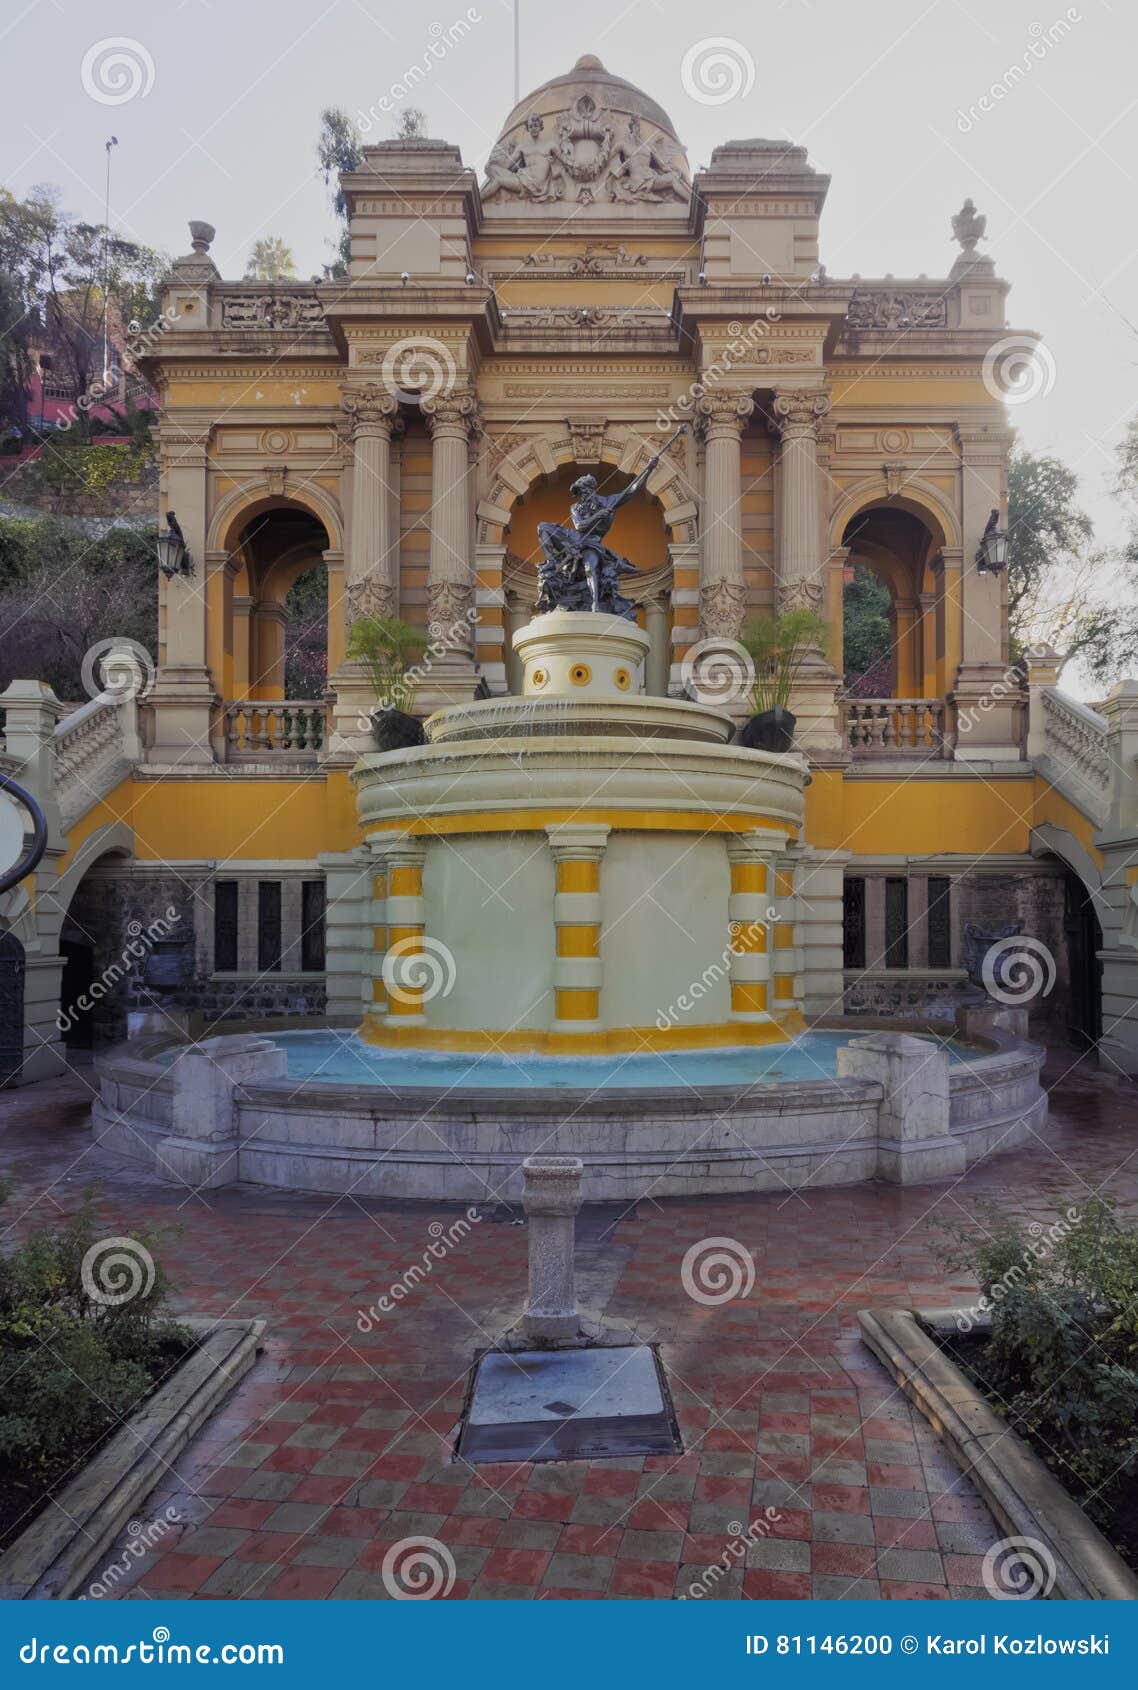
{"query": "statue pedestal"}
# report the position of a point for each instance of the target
(581, 654)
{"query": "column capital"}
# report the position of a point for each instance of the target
(371, 408)
(403, 850)
(184, 444)
(454, 412)
(758, 844)
(798, 412)
(577, 842)
(723, 411)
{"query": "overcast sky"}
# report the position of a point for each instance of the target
(887, 95)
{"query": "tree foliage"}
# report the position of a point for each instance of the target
(338, 153)
(867, 632)
(62, 590)
(271, 260)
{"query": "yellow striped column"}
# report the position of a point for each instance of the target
(752, 857)
(786, 965)
(577, 853)
(399, 920)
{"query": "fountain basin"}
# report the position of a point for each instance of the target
(465, 1141)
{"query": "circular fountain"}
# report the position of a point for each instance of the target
(584, 924)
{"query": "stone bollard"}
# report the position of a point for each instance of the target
(202, 1148)
(913, 1138)
(551, 1199)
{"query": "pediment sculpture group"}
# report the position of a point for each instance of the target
(585, 149)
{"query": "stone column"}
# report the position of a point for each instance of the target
(184, 694)
(1043, 665)
(656, 663)
(984, 692)
(577, 969)
(351, 895)
(450, 673)
(551, 1198)
(786, 964)
(371, 586)
(797, 417)
(752, 858)
(722, 589)
(399, 926)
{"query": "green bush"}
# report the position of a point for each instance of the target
(1061, 1362)
(72, 1366)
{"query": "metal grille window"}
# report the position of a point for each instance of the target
(940, 922)
(853, 922)
(896, 922)
(312, 926)
(225, 926)
(269, 926)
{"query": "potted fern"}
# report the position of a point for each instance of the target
(777, 646)
(387, 647)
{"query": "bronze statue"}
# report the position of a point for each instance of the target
(578, 572)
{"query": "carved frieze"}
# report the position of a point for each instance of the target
(897, 310)
(271, 311)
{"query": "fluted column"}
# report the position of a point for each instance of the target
(371, 587)
(797, 416)
(722, 589)
(451, 418)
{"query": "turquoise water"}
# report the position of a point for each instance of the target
(327, 1056)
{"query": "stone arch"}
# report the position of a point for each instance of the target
(539, 455)
(920, 498)
(245, 500)
(1049, 840)
(113, 839)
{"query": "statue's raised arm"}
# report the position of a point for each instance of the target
(641, 481)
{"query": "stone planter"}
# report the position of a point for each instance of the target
(396, 730)
(68, 1543)
(770, 730)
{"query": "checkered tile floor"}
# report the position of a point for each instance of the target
(338, 1445)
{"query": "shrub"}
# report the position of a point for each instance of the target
(1062, 1358)
(72, 1367)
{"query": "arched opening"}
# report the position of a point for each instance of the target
(892, 620)
(11, 1009)
(98, 964)
(1083, 934)
(278, 612)
(639, 533)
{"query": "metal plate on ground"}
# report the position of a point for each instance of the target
(565, 1405)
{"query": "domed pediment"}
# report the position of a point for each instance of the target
(588, 137)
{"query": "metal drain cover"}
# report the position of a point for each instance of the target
(565, 1405)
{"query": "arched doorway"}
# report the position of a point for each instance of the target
(280, 611)
(11, 1008)
(1082, 932)
(890, 606)
(638, 533)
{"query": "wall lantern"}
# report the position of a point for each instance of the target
(992, 554)
(173, 558)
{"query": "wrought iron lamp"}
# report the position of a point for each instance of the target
(992, 552)
(173, 556)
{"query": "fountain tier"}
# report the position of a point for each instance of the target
(582, 869)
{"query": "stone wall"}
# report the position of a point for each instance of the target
(122, 915)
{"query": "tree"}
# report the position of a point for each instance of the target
(1063, 590)
(867, 629)
(338, 153)
(270, 261)
(69, 279)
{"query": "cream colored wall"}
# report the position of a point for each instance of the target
(648, 958)
(497, 895)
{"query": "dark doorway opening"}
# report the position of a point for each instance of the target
(1084, 943)
(77, 1009)
(11, 1008)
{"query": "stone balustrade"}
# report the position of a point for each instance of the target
(1068, 743)
(892, 727)
(257, 730)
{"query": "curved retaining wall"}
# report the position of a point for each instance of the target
(217, 1123)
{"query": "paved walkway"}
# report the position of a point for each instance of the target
(338, 1446)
